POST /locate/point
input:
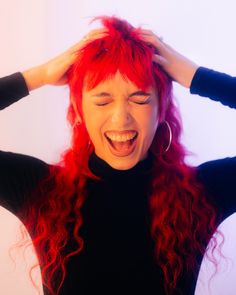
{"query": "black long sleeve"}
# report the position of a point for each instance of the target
(19, 174)
(12, 88)
(214, 85)
(219, 176)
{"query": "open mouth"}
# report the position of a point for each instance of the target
(122, 144)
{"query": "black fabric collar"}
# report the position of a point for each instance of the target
(101, 169)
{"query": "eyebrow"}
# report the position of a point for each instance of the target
(140, 93)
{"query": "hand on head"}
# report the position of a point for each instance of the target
(54, 72)
(56, 69)
(177, 66)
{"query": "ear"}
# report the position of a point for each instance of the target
(78, 117)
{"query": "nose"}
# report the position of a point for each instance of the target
(121, 116)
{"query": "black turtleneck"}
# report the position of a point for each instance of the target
(104, 170)
(117, 256)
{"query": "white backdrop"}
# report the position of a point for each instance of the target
(33, 31)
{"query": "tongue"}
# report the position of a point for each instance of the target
(121, 146)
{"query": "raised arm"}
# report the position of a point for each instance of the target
(218, 176)
(20, 174)
(202, 81)
(177, 66)
(53, 72)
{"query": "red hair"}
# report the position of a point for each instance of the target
(182, 219)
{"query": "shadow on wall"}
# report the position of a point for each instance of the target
(14, 273)
(223, 282)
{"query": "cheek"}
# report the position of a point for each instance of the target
(92, 126)
(149, 121)
(94, 122)
(88, 121)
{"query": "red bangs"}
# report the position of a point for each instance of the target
(102, 58)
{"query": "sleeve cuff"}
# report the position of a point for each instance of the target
(12, 88)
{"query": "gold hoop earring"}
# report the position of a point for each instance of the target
(169, 139)
(170, 136)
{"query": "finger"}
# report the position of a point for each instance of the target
(98, 31)
(153, 39)
(74, 49)
(89, 38)
(160, 46)
(97, 35)
(146, 32)
(94, 33)
(159, 59)
(150, 34)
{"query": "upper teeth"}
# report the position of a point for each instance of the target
(121, 137)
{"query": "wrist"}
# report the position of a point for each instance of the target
(190, 74)
(34, 77)
(193, 71)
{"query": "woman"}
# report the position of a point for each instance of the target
(122, 213)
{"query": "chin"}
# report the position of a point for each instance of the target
(122, 164)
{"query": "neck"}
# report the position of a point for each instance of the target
(102, 169)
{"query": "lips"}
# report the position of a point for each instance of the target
(121, 143)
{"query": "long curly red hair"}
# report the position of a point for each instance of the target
(182, 219)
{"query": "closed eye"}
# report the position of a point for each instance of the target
(143, 102)
(100, 104)
(147, 101)
(140, 99)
